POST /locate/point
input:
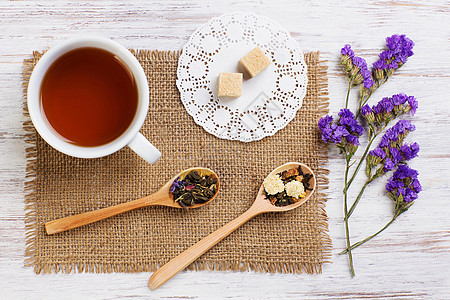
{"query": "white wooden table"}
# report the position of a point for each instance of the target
(410, 260)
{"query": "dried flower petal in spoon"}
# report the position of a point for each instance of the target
(287, 187)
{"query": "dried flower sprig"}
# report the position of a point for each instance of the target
(345, 132)
(390, 144)
(389, 153)
(345, 135)
(403, 188)
(379, 116)
(399, 49)
(356, 69)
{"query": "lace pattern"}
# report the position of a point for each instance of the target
(269, 100)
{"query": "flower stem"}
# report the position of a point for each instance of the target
(360, 161)
(361, 105)
(370, 237)
(367, 99)
(352, 208)
(347, 234)
(348, 92)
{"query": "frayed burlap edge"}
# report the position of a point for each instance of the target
(30, 177)
(31, 258)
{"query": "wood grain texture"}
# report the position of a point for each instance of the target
(409, 261)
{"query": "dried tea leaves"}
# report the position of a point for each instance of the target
(194, 188)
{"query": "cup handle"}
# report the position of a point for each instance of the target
(144, 148)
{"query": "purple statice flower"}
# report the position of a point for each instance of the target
(346, 113)
(347, 50)
(356, 68)
(344, 132)
(415, 184)
(352, 125)
(403, 187)
(388, 165)
(387, 104)
(401, 46)
(359, 62)
(398, 52)
(404, 126)
(352, 139)
(347, 55)
(395, 155)
(393, 185)
(413, 104)
(378, 152)
(366, 110)
(341, 131)
(347, 119)
(325, 121)
(390, 136)
(378, 109)
(403, 172)
(390, 152)
(409, 195)
(404, 104)
(396, 134)
(368, 81)
(409, 151)
(374, 157)
(361, 73)
(358, 129)
(385, 140)
(338, 133)
(390, 108)
(399, 99)
(330, 131)
(325, 128)
(326, 134)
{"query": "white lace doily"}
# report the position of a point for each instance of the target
(269, 100)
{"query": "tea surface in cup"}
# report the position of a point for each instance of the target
(89, 97)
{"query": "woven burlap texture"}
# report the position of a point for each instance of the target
(142, 240)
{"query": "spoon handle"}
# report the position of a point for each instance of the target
(184, 259)
(79, 220)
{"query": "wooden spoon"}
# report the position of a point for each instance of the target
(162, 197)
(261, 205)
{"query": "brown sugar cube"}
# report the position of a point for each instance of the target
(230, 85)
(255, 61)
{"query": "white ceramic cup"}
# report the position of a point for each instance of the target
(131, 137)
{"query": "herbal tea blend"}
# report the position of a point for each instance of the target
(287, 187)
(193, 188)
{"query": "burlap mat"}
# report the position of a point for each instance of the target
(141, 240)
